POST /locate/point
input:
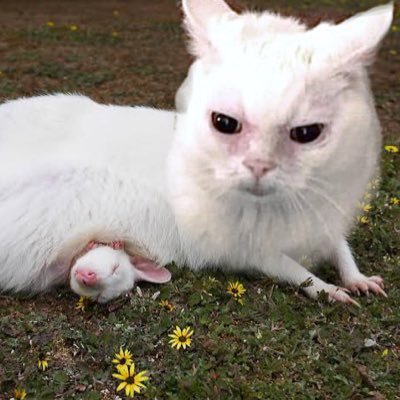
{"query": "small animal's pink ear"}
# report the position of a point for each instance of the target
(197, 16)
(147, 270)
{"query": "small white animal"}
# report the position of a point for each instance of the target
(105, 271)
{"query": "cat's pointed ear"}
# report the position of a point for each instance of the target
(197, 16)
(356, 40)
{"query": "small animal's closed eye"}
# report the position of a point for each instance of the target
(306, 133)
(115, 268)
(225, 124)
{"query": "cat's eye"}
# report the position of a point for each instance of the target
(307, 133)
(225, 124)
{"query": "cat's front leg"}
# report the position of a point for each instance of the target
(350, 275)
(286, 269)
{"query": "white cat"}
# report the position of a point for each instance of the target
(276, 138)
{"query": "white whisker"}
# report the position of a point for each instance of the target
(315, 211)
(321, 192)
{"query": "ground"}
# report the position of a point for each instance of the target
(278, 344)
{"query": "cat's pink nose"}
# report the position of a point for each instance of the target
(86, 276)
(258, 167)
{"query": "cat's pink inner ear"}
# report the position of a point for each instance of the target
(148, 270)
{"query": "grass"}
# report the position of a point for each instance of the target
(278, 344)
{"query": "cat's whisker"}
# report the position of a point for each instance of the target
(322, 193)
(331, 202)
(218, 191)
(297, 207)
(322, 184)
(315, 211)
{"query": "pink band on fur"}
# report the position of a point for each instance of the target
(116, 245)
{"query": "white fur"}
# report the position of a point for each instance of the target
(274, 79)
(76, 171)
(64, 130)
(80, 170)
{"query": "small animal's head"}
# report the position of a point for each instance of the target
(269, 105)
(104, 273)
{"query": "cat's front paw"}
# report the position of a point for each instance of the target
(362, 284)
(333, 293)
(339, 294)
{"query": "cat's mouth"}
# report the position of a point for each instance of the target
(258, 190)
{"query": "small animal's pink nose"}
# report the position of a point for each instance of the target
(86, 276)
(258, 167)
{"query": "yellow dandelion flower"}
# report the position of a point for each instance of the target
(19, 393)
(395, 201)
(181, 337)
(166, 305)
(82, 303)
(50, 24)
(123, 358)
(131, 382)
(73, 28)
(43, 364)
(391, 149)
(367, 208)
(363, 220)
(236, 289)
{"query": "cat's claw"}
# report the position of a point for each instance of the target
(341, 295)
(364, 285)
(377, 279)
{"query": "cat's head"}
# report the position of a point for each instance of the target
(269, 105)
